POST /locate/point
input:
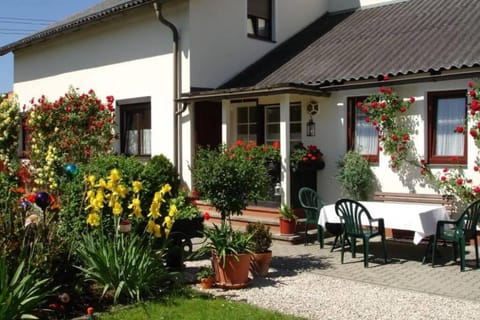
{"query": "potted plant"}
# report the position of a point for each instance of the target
(288, 220)
(230, 250)
(206, 276)
(262, 255)
(308, 158)
(229, 178)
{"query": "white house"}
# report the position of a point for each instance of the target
(198, 72)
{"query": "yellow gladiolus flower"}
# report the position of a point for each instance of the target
(157, 232)
(91, 180)
(117, 209)
(165, 189)
(93, 219)
(114, 175)
(150, 226)
(137, 186)
(122, 191)
(135, 205)
(172, 211)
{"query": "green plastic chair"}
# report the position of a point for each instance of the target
(459, 232)
(357, 223)
(311, 204)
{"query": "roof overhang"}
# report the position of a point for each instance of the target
(251, 92)
(76, 22)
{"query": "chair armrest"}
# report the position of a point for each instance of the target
(441, 225)
(380, 222)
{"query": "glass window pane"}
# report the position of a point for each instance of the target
(242, 115)
(295, 113)
(366, 136)
(273, 114)
(450, 114)
(295, 131)
(273, 132)
(242, 129)
(252, 114)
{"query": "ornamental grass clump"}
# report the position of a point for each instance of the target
(127, 263)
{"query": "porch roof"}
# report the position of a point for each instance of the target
(422, 38)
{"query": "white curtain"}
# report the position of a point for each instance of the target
(450, 115)
(132, 142)
(366, 137)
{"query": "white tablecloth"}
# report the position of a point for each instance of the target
(422, 219)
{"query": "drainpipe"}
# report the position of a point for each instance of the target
(176, 83)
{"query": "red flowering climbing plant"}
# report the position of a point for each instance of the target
(387, 112)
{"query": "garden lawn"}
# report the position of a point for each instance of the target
(193, 306)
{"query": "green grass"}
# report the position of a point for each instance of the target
(193, 306)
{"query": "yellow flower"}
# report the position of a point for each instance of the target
(137, 186)
(156, 231)
(91, 180)
(135, 205)
(150, 226)
(93, 219)
(117, 209)
(114, 175)
(102, 183)
(122, 191)
(165, 189)
(172, 211)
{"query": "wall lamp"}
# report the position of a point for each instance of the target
(312, 109)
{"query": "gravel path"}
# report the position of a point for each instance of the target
(317, 296)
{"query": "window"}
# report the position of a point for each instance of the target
(262, 124)
(446, 111)
(361, 135)
(135, 127)
(247, 123)
(259, 19)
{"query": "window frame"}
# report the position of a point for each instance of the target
(351, 125)
(127, 108)
(432, 101)
(255, 13)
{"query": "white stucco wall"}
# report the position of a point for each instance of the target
(331, 138)
(112, 58)
(343, 5)
(219, 41)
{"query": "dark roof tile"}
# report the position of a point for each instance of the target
(397, 39)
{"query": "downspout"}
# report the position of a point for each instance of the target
(176, 83)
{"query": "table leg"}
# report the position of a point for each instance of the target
(321, 236)
(429, 250)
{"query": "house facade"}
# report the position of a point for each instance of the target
(201, 72)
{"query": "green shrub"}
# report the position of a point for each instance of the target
(156, 172)
(355, 176)
(72, 214)
(229, 180)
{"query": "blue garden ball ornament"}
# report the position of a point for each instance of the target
(71, 170)
(42, 199)
(26, 205)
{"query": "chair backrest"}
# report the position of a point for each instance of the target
(469, 219)
(352, 213)
(310, 202)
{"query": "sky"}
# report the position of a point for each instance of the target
(20, 18)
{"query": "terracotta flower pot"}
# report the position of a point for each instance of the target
(234, 274)
(207, 283)
(260, 263)
(288, 226)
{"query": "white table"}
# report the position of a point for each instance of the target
(420, 218)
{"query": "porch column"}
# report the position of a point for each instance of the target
(226, 121)
(285, 148)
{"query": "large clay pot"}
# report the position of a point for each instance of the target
(260, 263)
(288, 226)
(234, 274)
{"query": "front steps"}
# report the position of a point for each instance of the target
(268, 216)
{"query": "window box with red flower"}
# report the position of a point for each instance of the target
(308, 158)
